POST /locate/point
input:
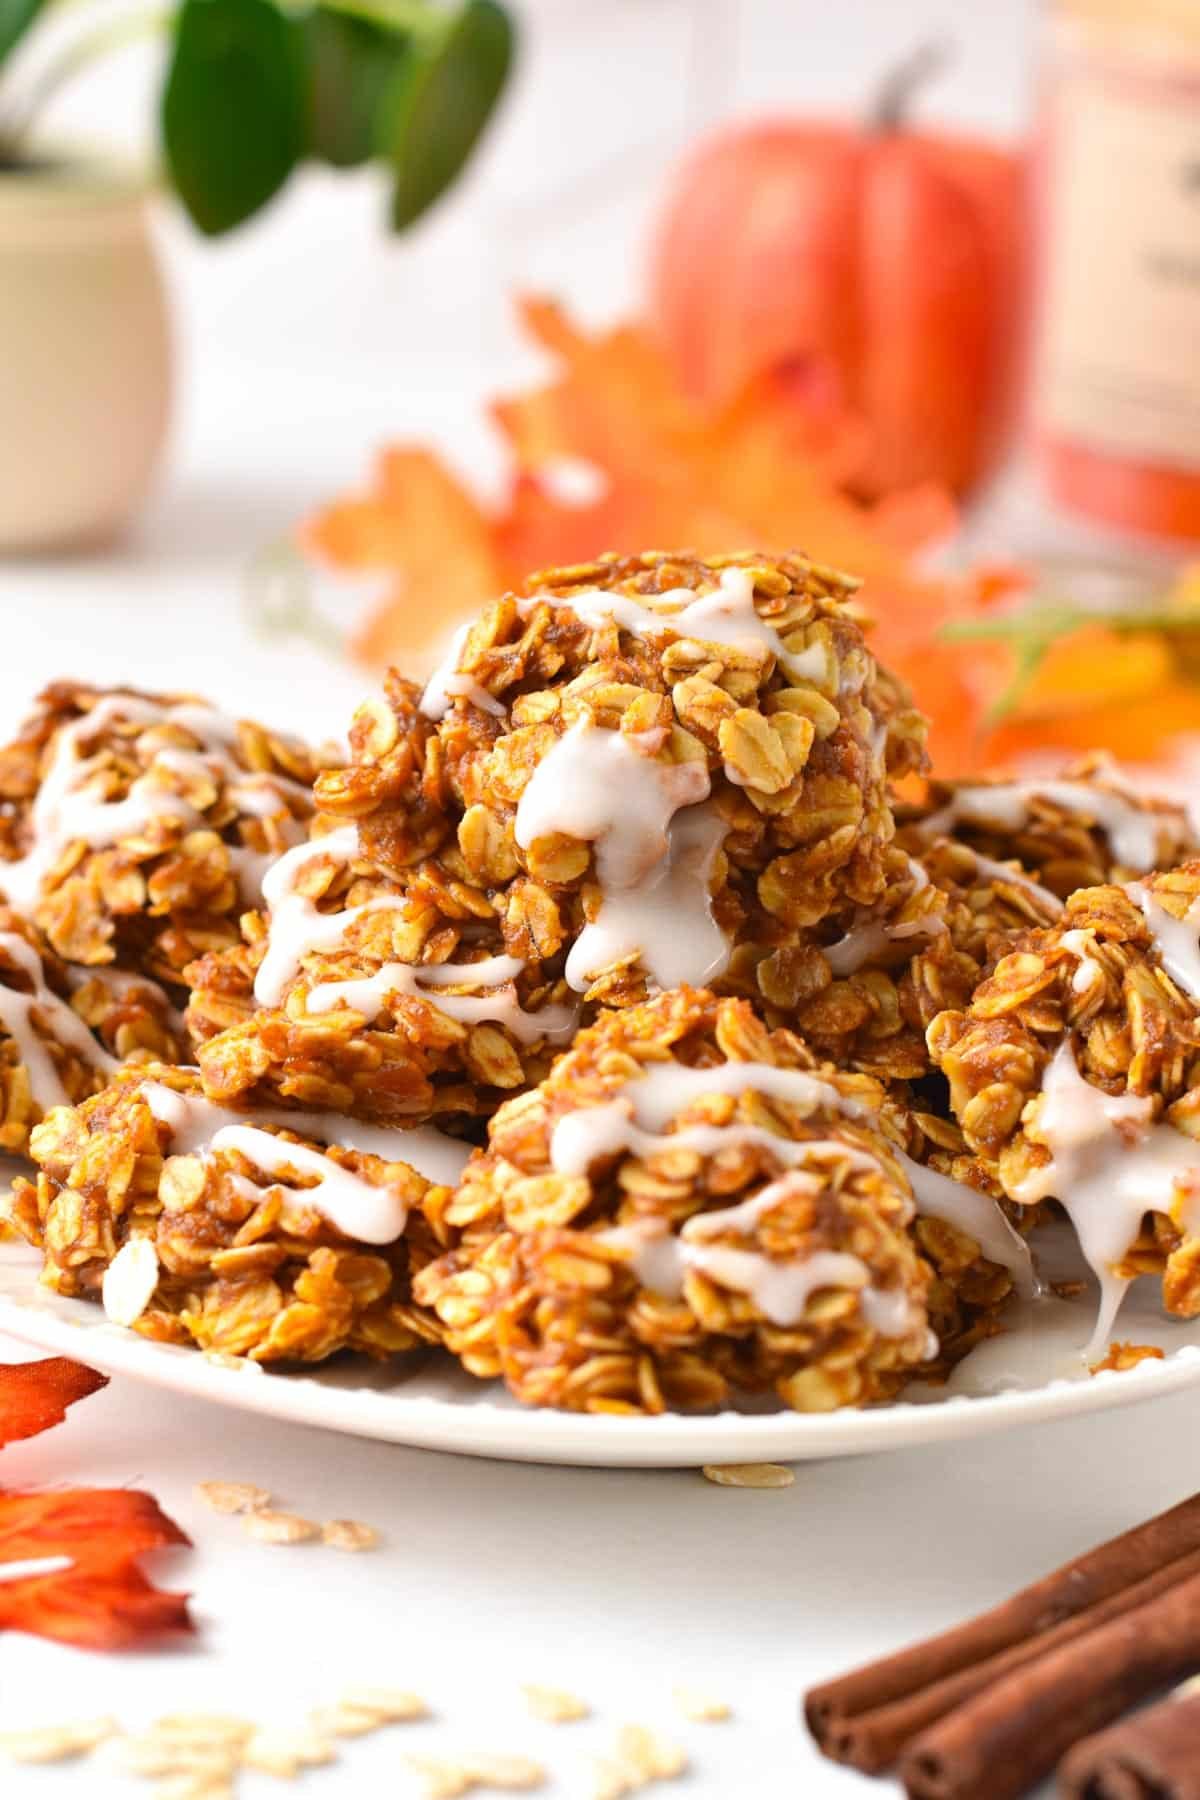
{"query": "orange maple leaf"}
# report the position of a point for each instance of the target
(36, 1395)
(767, 471)
(101, 1600)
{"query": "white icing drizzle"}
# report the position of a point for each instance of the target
(296, 926)
(478, 696)
(1131, 829)
(655, 846)
(1176, 940)
(779, 1287)
(663, 1090)
(60, 1020)
(848, 953)
(780, 1290)
(596, 786)
(634, 1120)
(667, 920)
(118, 981)
(446, 684)
(998, 871)
(872, 936)
(582, 1137)
(958, 1203)
(1089, 973)
(194, 1122)
(250, 867)
(435, 701)
(372, 1215)
(748, 1213)
(726, 616)
(872, 933)
(1109, 1166)
(124, 982)
(652, 1252)
(370, 993)
(67, 809)
(259, 791)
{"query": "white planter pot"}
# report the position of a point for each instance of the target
(84, 356)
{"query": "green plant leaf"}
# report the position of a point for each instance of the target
(352, 62)
(397, 15)
(232, 108)
(442, 99)
(16, 16)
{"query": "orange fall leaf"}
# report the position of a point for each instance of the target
(36, 1395)
(770, 470)
(102, 1599)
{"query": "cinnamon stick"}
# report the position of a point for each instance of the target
(872, 1741)
(1013, 1732)
(1079, 1586)
(1153, 1756)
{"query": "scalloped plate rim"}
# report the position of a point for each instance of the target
(480, 1424)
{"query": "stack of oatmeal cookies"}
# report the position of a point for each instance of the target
(628, 1015)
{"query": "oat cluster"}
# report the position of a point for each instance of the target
(638, 1269)
(626, 1016)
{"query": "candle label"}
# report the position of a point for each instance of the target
(1120, 342)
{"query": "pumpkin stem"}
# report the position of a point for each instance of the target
(892, 102)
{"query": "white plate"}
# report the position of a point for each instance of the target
(1032, 1372)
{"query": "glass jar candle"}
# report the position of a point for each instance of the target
(1117, 394)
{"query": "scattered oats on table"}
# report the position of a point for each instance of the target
(284, 1750)
(749, 1475)
(610, 1781)
(56, 1743)
(151, 1757)
(391, 1706)
(503, 1773)
(363, 1710)
(281, 1528)
(648, 1756)
(441, 1779)
(197, 1730)
(195, 1787)
(555, 1706)
(702, 1708)
(349, 1534)
(233, 1496)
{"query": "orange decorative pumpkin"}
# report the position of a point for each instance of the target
(882, 263)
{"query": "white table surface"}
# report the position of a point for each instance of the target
(616, 1585)
(303, 345)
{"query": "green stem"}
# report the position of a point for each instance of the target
(278, 599)
(1032, 631)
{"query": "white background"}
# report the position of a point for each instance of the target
(302, 344)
